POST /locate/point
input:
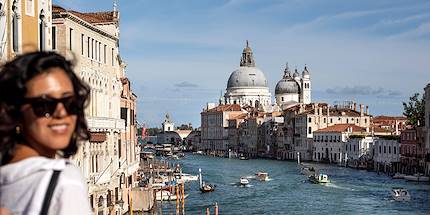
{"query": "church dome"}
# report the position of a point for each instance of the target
(296, 74)
(288, 86)
(247, 77)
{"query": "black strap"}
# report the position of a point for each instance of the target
(49, 192)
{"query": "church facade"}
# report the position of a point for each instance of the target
(248, 86)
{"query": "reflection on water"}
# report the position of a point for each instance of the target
(289, 192)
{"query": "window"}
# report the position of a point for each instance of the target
(331, 120)
(324, 120)
(385, 149)
(100, 53)
(389, 149)
(380, 151)
(113, 62)
(92, 48)
(29, 7)
(15, 26)
(54, 37)
(82, 44)
(88, 46)
(394, 149)
(42, 25)
(310, 119)
(124, 115)
(95, 47)
(70, 38)
(104, 54)
(365, 120)
(282, 98)
(119, 149)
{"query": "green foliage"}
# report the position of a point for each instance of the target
(414, 110)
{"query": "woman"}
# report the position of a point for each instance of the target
(41, 122)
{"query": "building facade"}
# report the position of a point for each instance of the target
(427, 127)
(214, 124)
(109, 159)
(302, 120)
(412, 151)
(25, 26)
(386, 155)
(330, 143)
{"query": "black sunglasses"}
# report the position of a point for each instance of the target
(45, 106)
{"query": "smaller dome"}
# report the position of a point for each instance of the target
(288, 86)
(296, 74)
(305, 72)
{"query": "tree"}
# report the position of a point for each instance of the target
(414, 110)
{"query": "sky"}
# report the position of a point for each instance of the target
(180, 53)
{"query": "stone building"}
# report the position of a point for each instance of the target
(386, 155)
(302, 120)
(427, 128)
(330, 143)
(25, 25)
(412, 150)
(109, 160)
(214, 123)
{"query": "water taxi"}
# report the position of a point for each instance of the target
(417, 177)
(243, 181)
(164, 195)
(398, 175)
(262, 176)
(400, 194)
(319, 178)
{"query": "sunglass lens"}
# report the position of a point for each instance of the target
(44, 107)
(71, 104)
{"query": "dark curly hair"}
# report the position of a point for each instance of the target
(13, 77)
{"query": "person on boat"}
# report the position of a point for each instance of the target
(41, 123)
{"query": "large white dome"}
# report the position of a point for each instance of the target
(247, 77)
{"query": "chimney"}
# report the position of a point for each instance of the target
(328, 110)
(315, 105)
(320, 110)
(355, 106)
(361, 110)
(397, 127)
(367, 109)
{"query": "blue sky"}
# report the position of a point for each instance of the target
(180, 53)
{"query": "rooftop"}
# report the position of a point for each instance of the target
(342, 128)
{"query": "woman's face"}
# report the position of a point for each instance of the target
(52, 131)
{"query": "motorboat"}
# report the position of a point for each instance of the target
(243, 181)
(184, 177)
(262, 176)
(400, 194)
(417, 177)
(308, 170)
(164, 195)
(398, 175)
(242, 157)
(319, 178)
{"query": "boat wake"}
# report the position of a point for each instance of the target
(338, 187)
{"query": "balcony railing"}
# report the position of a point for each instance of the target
(105, 123)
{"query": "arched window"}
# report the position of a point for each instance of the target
(42, 26)
(15, 26)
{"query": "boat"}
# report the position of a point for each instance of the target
(184, 177)
(319, 178)
(417, 177)
(262, 176)
(398, 175)
(400, 194)
(308, 170)
(244, 181)
(164, 195)
(205, 188)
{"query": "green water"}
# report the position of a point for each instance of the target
(288, 192)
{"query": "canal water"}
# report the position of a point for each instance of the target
(289, 192)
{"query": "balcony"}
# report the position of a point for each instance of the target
(105, 123)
